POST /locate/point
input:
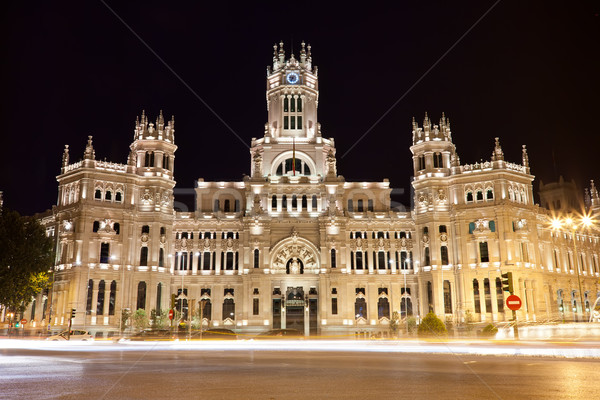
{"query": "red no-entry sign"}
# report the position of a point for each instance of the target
(513, 302)
(171, 314)
(23, 321)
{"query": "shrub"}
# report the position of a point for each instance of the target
(411, 323)
(431, 325)
(489, 330)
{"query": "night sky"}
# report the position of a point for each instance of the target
(528, 72)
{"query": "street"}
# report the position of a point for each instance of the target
(298, 370)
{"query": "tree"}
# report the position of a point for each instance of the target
(158, 320)
(395, 323)
(431, 325)
(125, 314)
(140, 319)
(26, 259)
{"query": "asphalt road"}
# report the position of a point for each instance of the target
(150, 373)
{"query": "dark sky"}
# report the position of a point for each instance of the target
(528, 72)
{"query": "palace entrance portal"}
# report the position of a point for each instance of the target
(296, 310)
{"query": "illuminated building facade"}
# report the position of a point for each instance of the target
(295, 245)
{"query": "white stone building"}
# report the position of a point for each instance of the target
(296, 245)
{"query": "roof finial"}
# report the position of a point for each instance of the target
(497, 154)
(89, 153)
(65, 157)
(525, 157)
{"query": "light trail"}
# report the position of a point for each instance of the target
(496, 348)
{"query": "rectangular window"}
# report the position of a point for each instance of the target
(229, 264)
(255, 308)
(286, 122)
(359, 260)
(381, 259)
(104, 253)
(483, 252)
(293, 105)
(293, 122)
(334, 308)
(333, 258)
(299, 117)
(256, 258)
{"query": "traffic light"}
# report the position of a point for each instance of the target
(17, 324)
(73, 310)
(507, 282)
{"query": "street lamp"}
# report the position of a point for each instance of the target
(570, 224)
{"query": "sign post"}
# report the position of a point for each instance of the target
(513, 302)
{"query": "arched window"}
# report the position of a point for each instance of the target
(360, 308)
(141, 296)
(228, 309)
(274, 202)
(444, 255)
(216, 205)
(158, 297)
(227, 206)
(286, 104)
(161, 257)
(98, 194)
(370, 205)
(447, 298)
(359, 205)
(490, 194)
(333, 258)
(469, 197)
(383, 308)
(350, 205)
(479, 195)
(314, 202)
(100, 300)
(112, 298)
(381, 260)
(284, 201)
(421, 162)
(145, 229)
(108, 195)
(429, 296)
(437, 160)
(90, 296)
(256, 258)
(144, 256)
(476, 298)
(499, 295)
(119, 197)
(304, 202)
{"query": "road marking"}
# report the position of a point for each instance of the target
(469, 362)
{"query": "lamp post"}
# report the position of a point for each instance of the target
(572, 226)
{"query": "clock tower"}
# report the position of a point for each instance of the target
(292, 144)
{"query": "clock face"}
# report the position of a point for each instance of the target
(292, 78)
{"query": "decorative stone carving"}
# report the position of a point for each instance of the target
(359, 244)
(331, 164)
(383, 244)
(146, 197)
(404, 244)
(444, 237)
(257, 159)
(231, 244)
(425, 239)
(441, 196)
